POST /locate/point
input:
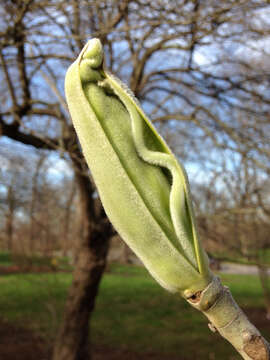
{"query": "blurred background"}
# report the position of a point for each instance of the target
(201, 71)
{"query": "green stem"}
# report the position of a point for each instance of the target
(226, 317)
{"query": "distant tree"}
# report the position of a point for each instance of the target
(13, 195)
(194, 65)
(232, 219)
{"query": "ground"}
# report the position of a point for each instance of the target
(18, 343)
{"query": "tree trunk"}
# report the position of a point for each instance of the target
(72, 342)
(66, 226)
(34, 199)
(73, 339)
(9, 231)
(10, 219)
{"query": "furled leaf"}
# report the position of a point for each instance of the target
(143, 188)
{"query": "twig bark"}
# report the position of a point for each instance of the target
(226, 317)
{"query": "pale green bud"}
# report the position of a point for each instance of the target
(143, 188)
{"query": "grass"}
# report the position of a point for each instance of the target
(132, 311)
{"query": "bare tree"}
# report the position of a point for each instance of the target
(34, 199)
(189, 64)
(14, 195)
(231, 218)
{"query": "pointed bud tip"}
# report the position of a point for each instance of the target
(94, 52)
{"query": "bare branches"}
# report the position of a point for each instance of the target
(187, 60)
(13, 133)
(9, 82)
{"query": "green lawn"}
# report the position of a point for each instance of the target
(132, 311)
